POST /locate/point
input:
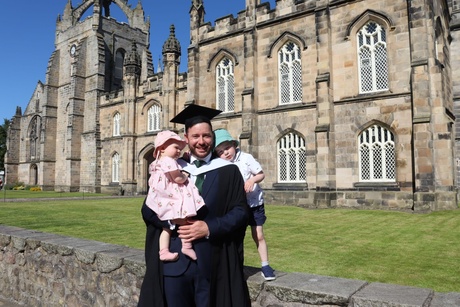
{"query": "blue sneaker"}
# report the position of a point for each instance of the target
(268, 273)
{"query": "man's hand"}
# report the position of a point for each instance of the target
(193, 230)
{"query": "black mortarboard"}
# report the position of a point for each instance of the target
(194, 114)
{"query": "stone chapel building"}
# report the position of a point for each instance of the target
(345, 103)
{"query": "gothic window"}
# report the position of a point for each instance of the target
(225, 85)
(154, 115)
(439, 43)
(34, 138)
(372, 58)
(290, 74)
(292, 158)
(116, 124)
(116, 168)
(118, 69)
(436, 48)
(377, 160)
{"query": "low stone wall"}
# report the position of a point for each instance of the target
(361, 198)
(41, 269)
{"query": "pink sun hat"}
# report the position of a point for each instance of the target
(166, 135)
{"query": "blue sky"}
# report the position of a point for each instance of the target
(27, 31)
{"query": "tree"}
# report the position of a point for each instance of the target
(3, 134)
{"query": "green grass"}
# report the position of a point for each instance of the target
(15, 194)
(420, 250)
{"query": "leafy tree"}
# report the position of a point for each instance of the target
(3, 134)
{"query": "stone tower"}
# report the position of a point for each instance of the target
(61, 129)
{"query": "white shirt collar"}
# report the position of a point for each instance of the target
(206, 159)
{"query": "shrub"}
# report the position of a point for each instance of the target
(16, 186)
(8, 186)
(35, 189)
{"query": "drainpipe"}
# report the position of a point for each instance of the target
(409, 21)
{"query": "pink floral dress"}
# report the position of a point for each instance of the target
(168, 199)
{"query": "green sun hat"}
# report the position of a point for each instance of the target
(223, 135)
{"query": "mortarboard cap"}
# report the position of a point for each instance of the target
(195, 114)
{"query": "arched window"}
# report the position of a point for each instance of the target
(153, 121)
(372, 58)
(118, 69)
(116, 167)
(290, 74)
(377, 161)
(292, 158)
(116, 124)
(441, 51)
(225, 85)
(34, 138)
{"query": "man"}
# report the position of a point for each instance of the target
(216, 278)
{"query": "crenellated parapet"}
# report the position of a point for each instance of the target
(255, 13)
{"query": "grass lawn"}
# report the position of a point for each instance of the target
(420, 250)
(15, 194)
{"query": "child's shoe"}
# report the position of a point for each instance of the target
(268, 273)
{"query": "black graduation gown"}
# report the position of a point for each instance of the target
(226, 213)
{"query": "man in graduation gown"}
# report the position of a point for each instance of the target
(216, 278)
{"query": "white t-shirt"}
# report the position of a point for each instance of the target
(250, 167)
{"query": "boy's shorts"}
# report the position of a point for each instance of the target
(257, 216)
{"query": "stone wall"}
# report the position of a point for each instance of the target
(41, 269)
(381, 198)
